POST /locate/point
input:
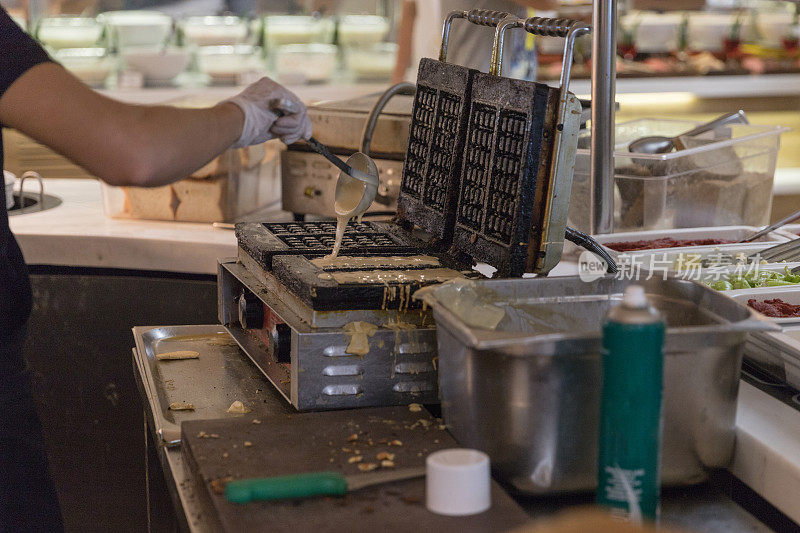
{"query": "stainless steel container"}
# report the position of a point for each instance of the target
(527, 392)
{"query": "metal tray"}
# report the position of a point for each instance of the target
(528, 392)
(779, 352)
(220, 376)
(789, 294)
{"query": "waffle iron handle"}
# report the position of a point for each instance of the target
(405, 88)
(481, 17)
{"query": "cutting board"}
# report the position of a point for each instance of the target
(307, 442)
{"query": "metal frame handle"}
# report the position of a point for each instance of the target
(405, 88)
(35, 175)
(480, 17)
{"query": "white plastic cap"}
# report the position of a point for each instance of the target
(458, 482)
(634, 296)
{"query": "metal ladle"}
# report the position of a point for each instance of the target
(659, 144)
(358, 175)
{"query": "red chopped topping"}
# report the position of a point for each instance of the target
(666, 242)
(775, 308)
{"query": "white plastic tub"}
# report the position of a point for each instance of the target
(137, 28)
(724, 178)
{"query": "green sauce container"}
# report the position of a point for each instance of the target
(629, 461)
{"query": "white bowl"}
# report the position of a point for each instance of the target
(305, 63)
(69, 32)
(214, 31)
(90, 65)
(137, 28)
(372, 62)
(157, 65)
(223, 64)
(9, 179)
(362, 30)
(296, 29)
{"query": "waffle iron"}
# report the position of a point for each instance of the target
(484, 180)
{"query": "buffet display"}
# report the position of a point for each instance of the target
(159, 50)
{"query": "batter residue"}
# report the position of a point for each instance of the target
(431, 275)
(395, 261)
(359, 332)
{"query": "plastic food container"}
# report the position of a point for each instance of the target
(528, 392)
(372, 62)
(653, 33)
(238, 182)
(305, 63)
(69, 32)
(158, 65)
(708, 31)
(137, 28)
(362, 30)
(90, 65)
(290, 29)
(214, 31)
(773, 26)
(224, 64)
(723, 178)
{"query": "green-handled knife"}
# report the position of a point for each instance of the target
(311, 484)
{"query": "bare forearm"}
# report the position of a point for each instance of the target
(120, 143)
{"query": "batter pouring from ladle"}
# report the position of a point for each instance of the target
(353, 197)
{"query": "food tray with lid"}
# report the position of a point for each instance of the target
(528, 391)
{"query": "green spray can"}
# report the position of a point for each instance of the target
(629, 461)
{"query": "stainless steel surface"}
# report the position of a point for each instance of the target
(658, 144)
(399, 368)
(604, 66)
(528, 392)
(220, 376)
(702, 508)
(769, 229)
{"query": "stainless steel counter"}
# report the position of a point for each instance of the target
(702, 508)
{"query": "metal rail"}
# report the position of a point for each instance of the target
(601, 174)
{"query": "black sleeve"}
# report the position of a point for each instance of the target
(18, 52)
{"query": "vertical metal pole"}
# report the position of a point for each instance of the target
(604, 73)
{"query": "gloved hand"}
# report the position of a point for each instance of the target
(261, 123)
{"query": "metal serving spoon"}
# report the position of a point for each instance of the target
(659, 144)
(357, 176)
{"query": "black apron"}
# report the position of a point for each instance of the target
(28, 500)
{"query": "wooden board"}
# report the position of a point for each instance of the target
(308, 442)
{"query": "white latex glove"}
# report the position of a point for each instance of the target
(260, 123)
